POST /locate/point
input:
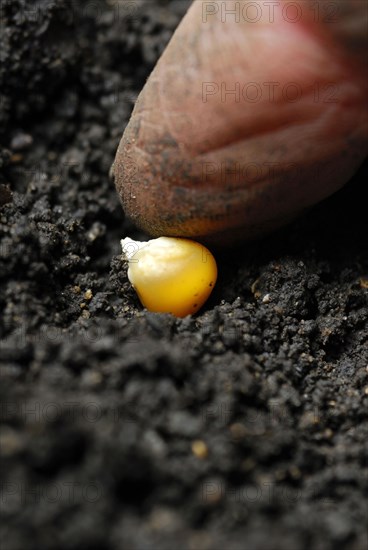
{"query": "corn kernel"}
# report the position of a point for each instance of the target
(170, 275)
(199, 449)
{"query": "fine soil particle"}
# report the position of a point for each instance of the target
(244, 426)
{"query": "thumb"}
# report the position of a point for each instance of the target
(249, 117)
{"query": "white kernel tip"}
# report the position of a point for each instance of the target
(130, 247)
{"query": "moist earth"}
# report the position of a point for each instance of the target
(244, 426)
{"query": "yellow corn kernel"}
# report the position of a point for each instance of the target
(170, 275)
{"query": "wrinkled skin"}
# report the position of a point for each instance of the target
(198, 162)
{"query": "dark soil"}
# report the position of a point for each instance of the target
(244, 427)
